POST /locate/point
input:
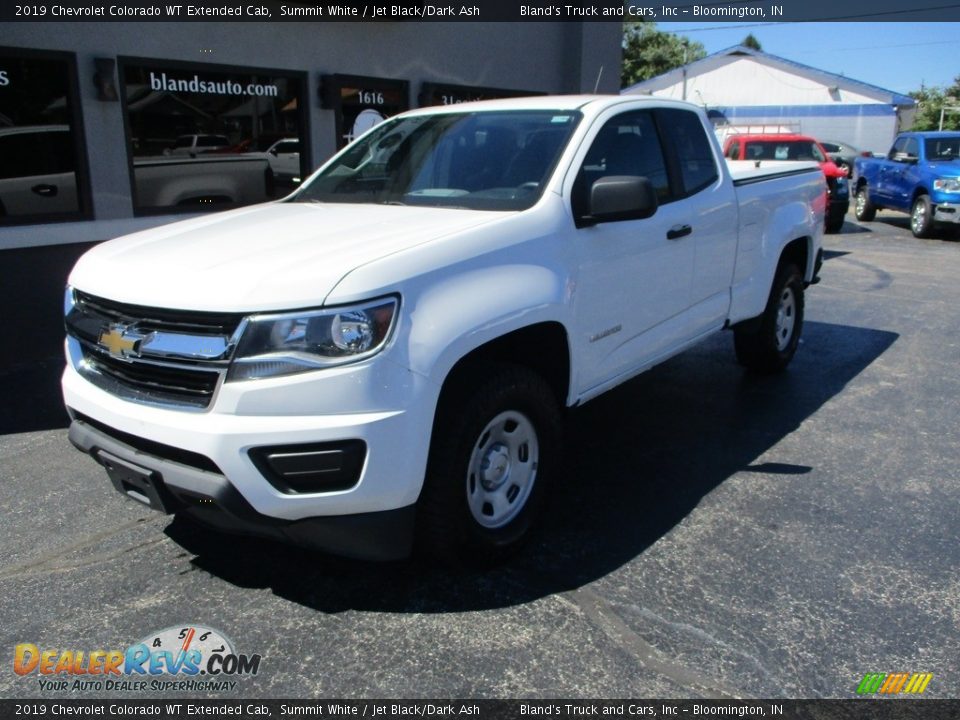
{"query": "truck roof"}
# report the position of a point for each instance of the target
(552, 102)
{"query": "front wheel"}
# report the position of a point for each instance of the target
(921, 217)
(768, 346)
(493, 452)
(862, 207)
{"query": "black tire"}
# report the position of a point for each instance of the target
(768, 344)
(834, 222)
(862, 207)
(921, 217)
(457, 522)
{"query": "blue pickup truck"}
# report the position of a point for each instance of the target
(920, 175)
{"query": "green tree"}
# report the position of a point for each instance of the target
(648, 52)
(751, 42)
(929, 103)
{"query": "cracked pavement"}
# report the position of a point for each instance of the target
(715, 535)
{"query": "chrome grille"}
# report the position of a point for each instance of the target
(151, 355)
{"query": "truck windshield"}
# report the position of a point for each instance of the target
(943, 148)
(783, 150)
(492, 160)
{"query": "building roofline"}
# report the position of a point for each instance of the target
(666, 78)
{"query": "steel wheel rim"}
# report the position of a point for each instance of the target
(861, 202)
(502, 469)
(786, 318)
(919, 216)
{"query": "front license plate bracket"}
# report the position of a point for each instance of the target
(137, 482)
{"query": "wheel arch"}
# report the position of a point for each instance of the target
(543, 347)
(798, 251)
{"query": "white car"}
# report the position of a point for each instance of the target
(284, 159)
(193, 145)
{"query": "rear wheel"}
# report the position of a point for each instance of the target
(862, 207)
(835, 218)
(493, 452)
(768, 345)
(921, 217)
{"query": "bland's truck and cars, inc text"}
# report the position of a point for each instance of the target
(382, 358)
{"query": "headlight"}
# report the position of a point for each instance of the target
(274, 345)
(950, 185)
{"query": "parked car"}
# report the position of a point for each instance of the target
(193, 145)
(385, 354)
(920, 175)
(283, 154)
(284, 158)
(38, 177)
(793, 147)
(843, 154)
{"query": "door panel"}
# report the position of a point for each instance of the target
(632, 277)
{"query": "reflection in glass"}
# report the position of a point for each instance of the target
(496, 160)
(38, 164)
(208, 139)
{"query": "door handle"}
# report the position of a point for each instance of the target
(678, 231)
(45, 190)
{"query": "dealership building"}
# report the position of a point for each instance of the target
(111, 127)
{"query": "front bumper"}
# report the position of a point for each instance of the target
(204, 464)
(170, 486)
(946, 212)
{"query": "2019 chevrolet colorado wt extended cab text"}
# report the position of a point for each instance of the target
(383, 356)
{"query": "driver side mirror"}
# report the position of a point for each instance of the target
(902, 157)
(620, 197)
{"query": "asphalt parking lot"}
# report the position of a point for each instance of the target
(715, 534)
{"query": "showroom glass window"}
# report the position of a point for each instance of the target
(41, 158)
(209, 137)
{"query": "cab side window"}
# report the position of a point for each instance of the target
(627, 144)
(698, 169)
(899, 146)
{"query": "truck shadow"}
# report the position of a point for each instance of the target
(902, 221)
(638, 461)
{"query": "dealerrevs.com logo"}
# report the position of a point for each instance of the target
(192, 658)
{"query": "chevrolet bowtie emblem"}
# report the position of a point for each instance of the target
(120, 341)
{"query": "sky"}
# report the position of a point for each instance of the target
(896, 56)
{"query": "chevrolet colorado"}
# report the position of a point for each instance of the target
(383, 356)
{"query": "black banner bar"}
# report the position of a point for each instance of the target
(707, 11)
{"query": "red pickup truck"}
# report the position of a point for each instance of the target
(787, 146)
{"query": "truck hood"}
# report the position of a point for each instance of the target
(268, 257)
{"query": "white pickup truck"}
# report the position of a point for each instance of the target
(382, 358)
